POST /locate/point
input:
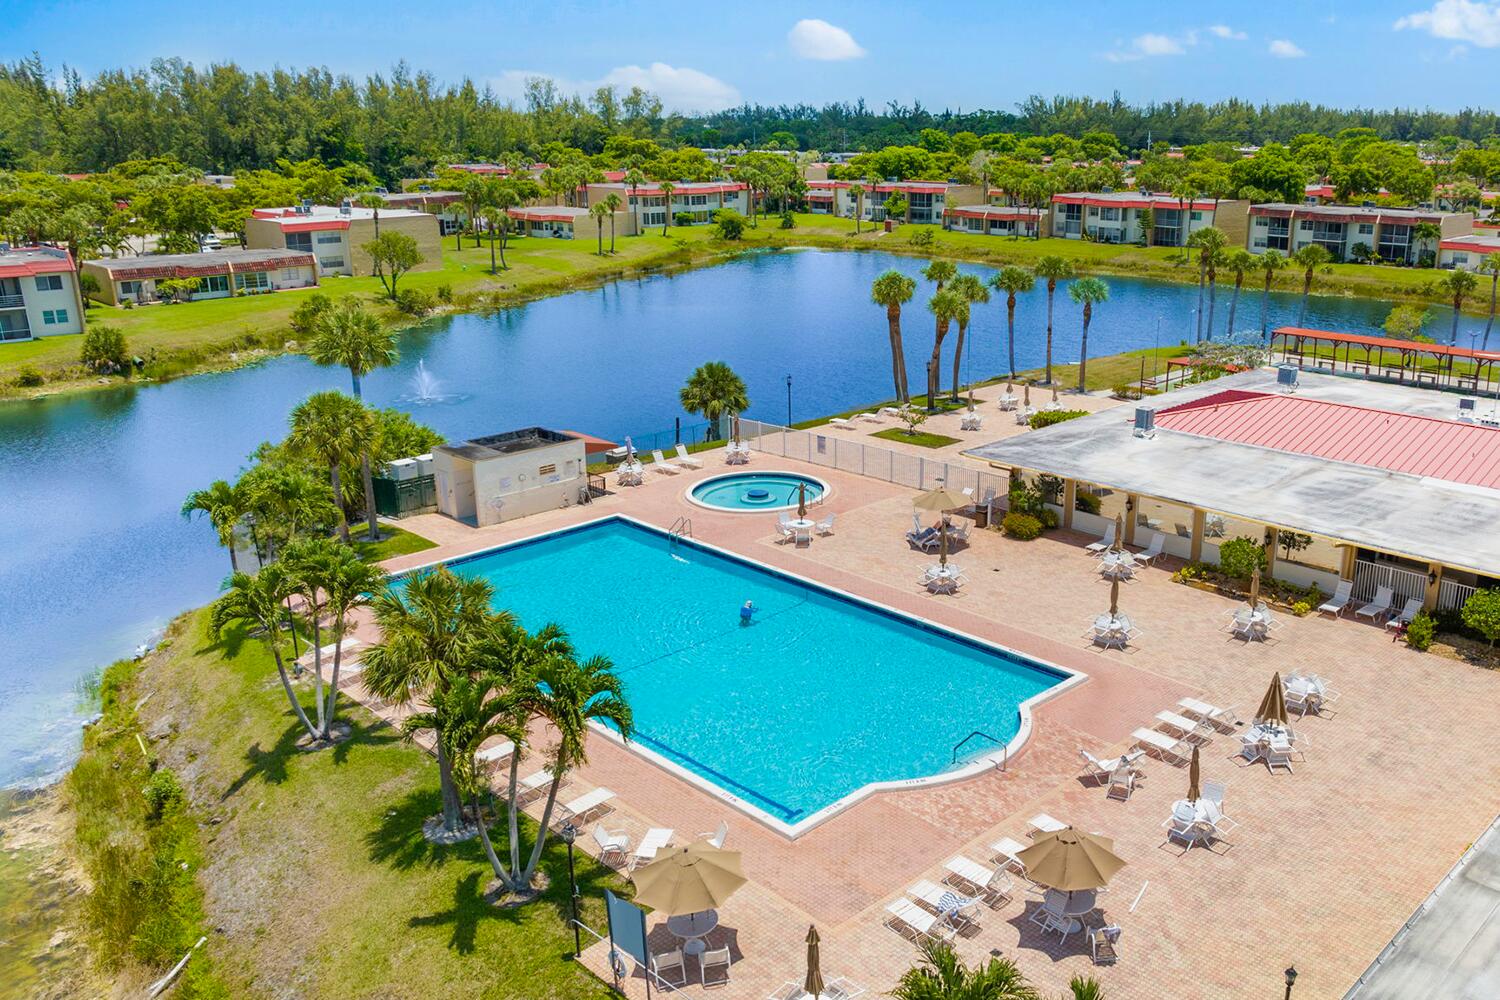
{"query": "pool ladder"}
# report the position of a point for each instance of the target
(681, 528)
(1005, 749)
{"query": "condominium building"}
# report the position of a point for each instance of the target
(1120, 217)
(446, 206)
(220, 274)
(997, 220)
(926, 201)
(566, 222)
(698, 199)
(1389, 233)
(1468, 252)
(38, 293)
(336, 234)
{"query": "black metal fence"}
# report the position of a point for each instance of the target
(400, 497)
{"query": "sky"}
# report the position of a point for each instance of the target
(956, 55)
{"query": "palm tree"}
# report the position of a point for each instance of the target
(666, 188)
(1238, 261)
(597, 211)
(714, 390)
(940, 272)
(1423, 232)
(1269, 262)
(225, 505)
(1209, 241)
(1052, 268)
(1309, 258)
(433, 631)
(942, 976)
(857, 192)
(256, 601)
(374, 203)
(1013, 281)
(500, 196)
(1085, 988)
(1086, 291)
(893, 290)
(634, 178)
(1491, 266)
(335, 428)
(613, 203)
(287, 497)
(308, 562)
(1460, 283)
(348, 335)
(946, 306)
(972, 291)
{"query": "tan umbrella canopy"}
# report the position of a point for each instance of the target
(801, 499)
(1071, 860)
(1114, 596)
(1273, 705)
(940, 499)
(1255, 589)
(813, 984)
(696, 878)
(1193, 773)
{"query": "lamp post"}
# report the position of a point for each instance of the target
(570, 834)
(1291, 977)
(789, 401)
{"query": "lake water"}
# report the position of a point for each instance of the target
(94, 556)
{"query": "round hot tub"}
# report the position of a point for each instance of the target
(756, 491)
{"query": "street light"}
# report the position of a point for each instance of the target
(569, 834)
(789, 401)
(1291, 977)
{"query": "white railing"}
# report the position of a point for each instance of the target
(1452, 594)
(1404, 583)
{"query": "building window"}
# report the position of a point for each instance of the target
(254, 281)
(1196, 217)
(289, 274)
(330, 263)
(52, 317)
(213, 283)
(299, 241)
(49, 282)
(130, 288)
(330, 237)
(1305, 225)
(1366, 228)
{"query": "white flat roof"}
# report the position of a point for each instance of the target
(1412, 516)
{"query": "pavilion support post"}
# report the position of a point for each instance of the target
(1273, 538)
(1346, 562)
(1069, 498)
(1434, 584)
(1133, 511)
(1200, 522)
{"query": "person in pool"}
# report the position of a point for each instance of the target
(747, 612)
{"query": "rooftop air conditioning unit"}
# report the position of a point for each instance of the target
(1286, 377)
(1145, 422)
(1466, 410)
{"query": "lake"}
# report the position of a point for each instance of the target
(94, 556)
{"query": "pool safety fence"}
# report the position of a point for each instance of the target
(684, 432)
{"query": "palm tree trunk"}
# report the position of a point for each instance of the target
(1213, 290)
(452, 807)
(369, 484)
(1083, 348)
(489, 848)
(958, 355)
(317, 663)
(898, 362)
(541, 833)
(1010, 338)
(1198, 331)
(492, 250)
(1051, 287)
(1234, 304)
(291, 696)
(234, 562)
(1265, 308)
(611, 232)
(933, 365)
(1306, 291)
(338, 500)
(333, 680)
(513, 813)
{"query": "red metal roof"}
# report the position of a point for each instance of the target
(994, 212)
(1121, 199)
(1338, 432)
(1364, 340)
(37, 261)
(1476, 243)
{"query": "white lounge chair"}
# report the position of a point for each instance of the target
(1042, 823)
(1104, 542)
(532, 784)
(825, 526)
(912, 922)
(660, 464)
(671, 963)
(1006, 851)
(683, 458)
(610, 842)
(1121, 782)
(656, 838)
(842, 423)
(1101, 769)
(498, 752)
(584, 807)
(990, 884)
(1162, 746)
(1222, 719)
(1411, 610)
(1379, 607)
(1188, 729)
(1153, 551)
(717, 837)
(1341, 599)
(958, 912)
(920, 537)
(868, 417)
(324, 654)
(890, 411)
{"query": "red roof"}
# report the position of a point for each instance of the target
(995, 212)
(1476, 243)
(37, 262)
(1381, 439)
(1133, 201)
(1365, 340)
(592, 445)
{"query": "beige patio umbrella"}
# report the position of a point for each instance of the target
(1193, 773)
(696, 878)
(940, 499)
(1114, 597)
(1026, 392)
(1071, 860)
(801, 500)
(1273, 705)
(1054, 395)
(736, 423)
(971, 399)
(1119, 533)
(1255, 589)
(813, 984)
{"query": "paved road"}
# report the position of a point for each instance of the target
(1452, 949)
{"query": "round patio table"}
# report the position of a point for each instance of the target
(1117, 564)
(801, 523)
(692, 928)
(1072, 905)
(1202, 811)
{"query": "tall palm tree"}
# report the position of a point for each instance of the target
(1013, 281)
(597, 211)
(335, 428)
(893, 290)
(972, 291)
(634, 179)
(433, 631)
(946, 306)
(1209, 241)
(308, 562)
(942, 976)
(1423, 232)
(857, 192)
(1086, 292)
(1269, 263)
(350, 336)
(288, 497)
(1052, 268)
(666, 188)
(257, 601)
(1238, 261)
(613, 203)
(940, 272)
(349, 583)
(1085, 988)
(1490, 266)
(1309, 258)
(500, 196)
(1459, 284)
(224, 505)
(374, 203)
(714, 390)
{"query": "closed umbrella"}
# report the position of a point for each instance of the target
(1193, 777)
(736, 428)
(943, 545)
(1054, 395)
(971, 399)
(801, 500)
(813, 984)
(940, 499)
(1114, 597)
(1026, 393)
(1273, 705)
(1071, 860)
(696, 878)
(1255, 589)
(629, 451)
(1119, 533)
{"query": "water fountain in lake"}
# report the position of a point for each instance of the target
(425, 387)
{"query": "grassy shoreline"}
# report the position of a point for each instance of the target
(222, 334)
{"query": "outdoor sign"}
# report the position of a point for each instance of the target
(627, 932)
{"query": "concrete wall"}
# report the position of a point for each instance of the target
(345, 245)
(454, 481)
(512, 486)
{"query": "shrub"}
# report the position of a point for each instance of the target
(445, 294)
(1046, 418)
(1023, 527)
(788, 221)
(1089, 503)
(1049, 518)
(923, 237)
(104, 349)
(415, 301)
(162, 791)
(305, 317)
(28, 377)
(1026, 499)
(1419, 632)
(1240, 557)
(729, 223)
(682, 219)
(1301, 609)
(1482, 613)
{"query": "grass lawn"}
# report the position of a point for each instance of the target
(921, 438)
(1107, 371)
(316, 874)
(396, 542)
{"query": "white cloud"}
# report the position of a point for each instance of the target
(1149, 46)
(1283, 49)
(1461, 20)
(679, 87)
(1225, 31)
(812, 38)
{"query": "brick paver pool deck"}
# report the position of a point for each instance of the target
(1326, 864)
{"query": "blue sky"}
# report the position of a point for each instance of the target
(960, 54)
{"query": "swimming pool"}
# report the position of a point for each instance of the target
(791, 718)
(756, 491)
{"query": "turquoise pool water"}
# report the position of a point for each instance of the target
(756, 490)
(821, 695)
